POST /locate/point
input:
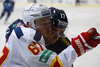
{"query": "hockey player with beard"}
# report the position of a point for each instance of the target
(26, 45)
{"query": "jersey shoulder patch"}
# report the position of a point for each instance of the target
(66, 41)
(18, 32)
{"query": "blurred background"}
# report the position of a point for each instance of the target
(82, 15)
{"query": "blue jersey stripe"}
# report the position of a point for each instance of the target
(18, 32)
(37, 36)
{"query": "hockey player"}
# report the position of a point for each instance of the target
(56, 28)
(77, 3)
(8, 8)
(58, 42)
(26, 46)
(59, 23)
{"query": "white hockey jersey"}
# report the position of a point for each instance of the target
(26, 48)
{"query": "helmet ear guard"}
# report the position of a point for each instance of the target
(58, 18)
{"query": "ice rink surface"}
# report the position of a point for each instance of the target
(81, 18)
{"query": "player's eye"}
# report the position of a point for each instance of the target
(54, 29)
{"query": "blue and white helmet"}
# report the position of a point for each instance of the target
(33, 12)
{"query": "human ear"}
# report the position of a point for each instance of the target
(28, 24)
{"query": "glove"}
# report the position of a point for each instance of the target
(86, 41)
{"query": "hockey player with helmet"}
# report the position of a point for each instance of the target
(62, 41)
(8, 8)
(58, 43)
(26, 46)
(59, 23)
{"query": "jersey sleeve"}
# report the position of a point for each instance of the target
(68, 56)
